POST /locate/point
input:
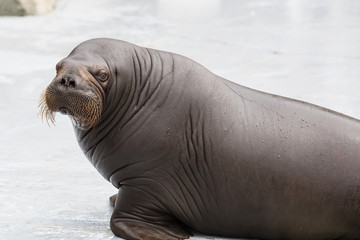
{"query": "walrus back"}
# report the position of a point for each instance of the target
(302, 166)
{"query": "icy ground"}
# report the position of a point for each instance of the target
(304, 49)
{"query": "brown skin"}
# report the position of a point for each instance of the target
(188, 148)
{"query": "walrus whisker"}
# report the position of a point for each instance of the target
(87, 111)
(84, 108)
(44, 111)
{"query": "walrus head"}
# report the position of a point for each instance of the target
(105, 81)
(77, 90)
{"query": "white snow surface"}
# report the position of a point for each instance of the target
(303, 49)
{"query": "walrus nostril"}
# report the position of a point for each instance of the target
(63, 82)
(67, 82)
(72, 83)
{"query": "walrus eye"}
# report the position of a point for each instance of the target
(103, 75)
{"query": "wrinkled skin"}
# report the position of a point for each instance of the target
(188, 148)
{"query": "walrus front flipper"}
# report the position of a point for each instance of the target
(135, 229)
(136, 219)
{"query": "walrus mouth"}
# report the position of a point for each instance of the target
(64, 110)
(84, 107)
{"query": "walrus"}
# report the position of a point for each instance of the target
(189, 150)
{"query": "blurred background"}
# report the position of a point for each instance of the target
(303, 49)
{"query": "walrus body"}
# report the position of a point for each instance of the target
(188, 148)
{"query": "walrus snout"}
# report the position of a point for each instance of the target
(70, 95)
